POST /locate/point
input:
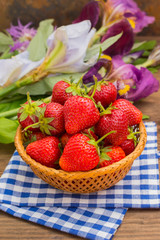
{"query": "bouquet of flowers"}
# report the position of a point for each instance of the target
(34, 60)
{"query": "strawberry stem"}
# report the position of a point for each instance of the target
(99, 140)
(95, 87)
(32, 125)
(79, 81)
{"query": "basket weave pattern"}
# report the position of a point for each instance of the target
(83, 182)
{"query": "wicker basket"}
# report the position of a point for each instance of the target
(83, 182)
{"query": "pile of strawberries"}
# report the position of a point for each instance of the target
(81, 128)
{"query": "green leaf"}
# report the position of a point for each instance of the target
(97, 48)
(7, 130)
(146, 46)
(5, 41)
(38, 45)
(139, 61)
(146, 53)
(145, 117)
(137, 45)
(13, 104)
(154, 69)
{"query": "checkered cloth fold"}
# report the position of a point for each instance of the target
(94, 215)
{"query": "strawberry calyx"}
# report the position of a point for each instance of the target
(43, 123)
(75, 88)
(99, 84)
(104, 111)
(29, 109)
(133, 135)
(103, 155)
(96, 143)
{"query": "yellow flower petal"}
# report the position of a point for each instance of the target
(132, 22)
(106, 57)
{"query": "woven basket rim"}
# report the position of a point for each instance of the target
(79, 175)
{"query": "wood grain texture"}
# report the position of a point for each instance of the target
(138, 224)
(63, 11)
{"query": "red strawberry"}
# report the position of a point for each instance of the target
(110, 155)
(27, 113)
(65, 138)
(34, 136)
(45, 151)
(106, 93)
(128, 146)
(134, 114)
(116, 121)
(79, 154)
(54, 117)
(131, 142)
(80, 113)
(59, 93)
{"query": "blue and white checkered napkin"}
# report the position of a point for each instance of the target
(92, 216)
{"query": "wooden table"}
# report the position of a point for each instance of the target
(137, 224)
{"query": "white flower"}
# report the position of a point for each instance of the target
(67, 47)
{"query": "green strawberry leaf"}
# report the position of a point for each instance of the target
(104, 156)
(23, 116)
(51, 128)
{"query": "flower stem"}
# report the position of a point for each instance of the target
(9, 113)
(27, 80)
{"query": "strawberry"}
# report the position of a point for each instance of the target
(55, 117)
(88, 132)
(113, 120)
(79, 154)
(45, 151)
(59, 93)
(134, 114)
(65, 138)
(27, 113)
(50, 119)
(34, 136)
(110, 155)
(80, 113)
(106, 93)
(131, 142)
(128, 146)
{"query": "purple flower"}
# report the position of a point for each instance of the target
(21, 35)
(132, 83)
(100, 70)
(90, 12)
(125, 43)
(115, 10)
